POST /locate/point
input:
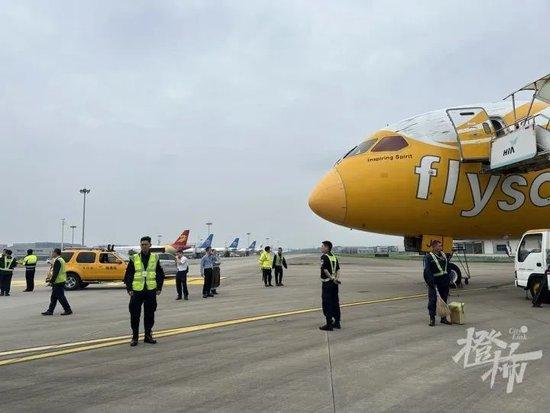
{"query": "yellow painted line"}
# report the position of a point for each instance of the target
(76, 347)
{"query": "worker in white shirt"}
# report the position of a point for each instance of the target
(181, 276)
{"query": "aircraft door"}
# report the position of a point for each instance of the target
(474, 133)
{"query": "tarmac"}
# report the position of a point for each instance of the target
(257, 349)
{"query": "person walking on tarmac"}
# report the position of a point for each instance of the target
(265, 264)
(7, 264)
(144, 278)
(207, 271)
(279, 262)
(216, 272)
(57, 281)
(182, 265)
(29, 262)
(330, 268)
(437, 279)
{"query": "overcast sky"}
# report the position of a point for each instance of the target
(176, 113)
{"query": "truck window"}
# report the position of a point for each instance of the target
(85, 257)
(531, 243)
(107, 258)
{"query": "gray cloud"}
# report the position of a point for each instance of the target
(228, 111)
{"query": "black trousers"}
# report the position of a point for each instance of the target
(5, 282)
(181, 282)
(29, 277)
(331, 302)
(207, 286)
(278, 274)
(266, 275)
(441, 282)
(58, 294)
(147, 298)
(537, 299)
(216, 276)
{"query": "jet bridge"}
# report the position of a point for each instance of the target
(521, 146)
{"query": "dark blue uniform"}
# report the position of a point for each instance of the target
(441, 282)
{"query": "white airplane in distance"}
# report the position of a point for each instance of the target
(251, 249)
(228, 250)
(201, 249)
(178, 244)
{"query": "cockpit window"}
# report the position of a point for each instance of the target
(390, 144)
(361, 148)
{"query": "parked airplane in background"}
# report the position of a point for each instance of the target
(248, 250)
(470, 172)
(201, 249)
(179, 244)
(230, 249)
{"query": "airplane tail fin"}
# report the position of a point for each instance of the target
(182, 240)
(207, 242)
(235, 243)
(252, 246)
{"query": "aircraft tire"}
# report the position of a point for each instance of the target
(456, 275)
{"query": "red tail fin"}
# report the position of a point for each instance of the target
(182, 240)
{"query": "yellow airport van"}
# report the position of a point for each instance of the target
(95, 265)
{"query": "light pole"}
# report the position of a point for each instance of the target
(208, 224)
(72, 236)
(84, 192)
(159, 237)
(247, 239)
(267, 241)
(62, 233)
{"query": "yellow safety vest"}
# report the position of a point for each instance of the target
(62, 276)
(265, 260)
(30, 261)
(145, 275)
(438, 265)
(279, 260)
(7, 264)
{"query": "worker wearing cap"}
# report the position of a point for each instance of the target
(143, 278)
(330, 268)
(7, 264)
(437, 279)
(29, 262)
(265, 265)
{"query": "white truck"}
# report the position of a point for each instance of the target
(532, 262)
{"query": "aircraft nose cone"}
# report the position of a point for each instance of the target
(328, 199)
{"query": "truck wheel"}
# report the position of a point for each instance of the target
(455, 274)
(73, 281)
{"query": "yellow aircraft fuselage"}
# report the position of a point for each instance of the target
(424, 188)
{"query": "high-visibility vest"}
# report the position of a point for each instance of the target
(7, 264)
(30, 261)
(62, 275)
(441, 271)
(145, 275)
(333, 261)
(265, 260)
(279, 260)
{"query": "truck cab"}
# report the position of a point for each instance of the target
(532, 261)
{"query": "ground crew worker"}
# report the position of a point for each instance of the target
(57, 281)
(207, 272)
(437, 279)
(182, 264)
(7, 264)
(29, 262)
(143, 278)
(330, 268)
(266, 262)
(279, 262)
(216, 272)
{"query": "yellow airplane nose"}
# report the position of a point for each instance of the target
(328, 199)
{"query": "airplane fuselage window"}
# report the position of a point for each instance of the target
(390, 144)
(361, 148)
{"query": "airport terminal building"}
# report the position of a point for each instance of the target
(42, 250)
